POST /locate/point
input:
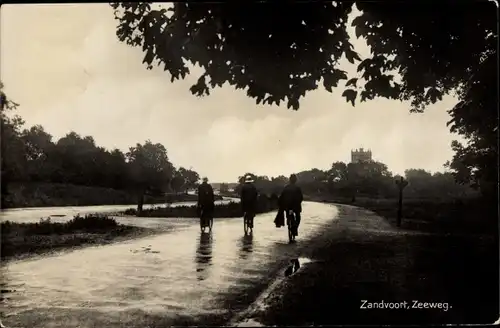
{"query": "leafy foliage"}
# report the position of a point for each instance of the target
(429, 57)
(298, 49)
(190, 178)
(150, 166)
(12, 153)
(371, 179)
(244, 44)
(476, 118)
(5, 102)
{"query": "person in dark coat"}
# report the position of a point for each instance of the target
(279, 220)
(249, 197)
(291, 199)
(206, 199)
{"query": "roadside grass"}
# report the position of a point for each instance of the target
(351, 265)
(21, 240)
(459, 215)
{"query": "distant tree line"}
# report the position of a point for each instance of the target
(31, 155)
(370, 179)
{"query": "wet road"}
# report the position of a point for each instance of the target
(65, 213)
(181, 277)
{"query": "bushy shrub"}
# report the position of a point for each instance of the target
(87, 223)
(46, 236)
(92, 222)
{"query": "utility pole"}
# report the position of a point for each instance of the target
(401, 183)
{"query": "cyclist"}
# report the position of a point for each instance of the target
(248, 198)
(206, 199)
(291, 200)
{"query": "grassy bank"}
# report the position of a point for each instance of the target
(25, 239)
(350, 265)
(59, 194)
(465, 215)
(228, 210)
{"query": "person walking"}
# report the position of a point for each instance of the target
(291, 200)
(206, 200)
(248, 199)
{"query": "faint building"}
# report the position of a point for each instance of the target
(361, 155)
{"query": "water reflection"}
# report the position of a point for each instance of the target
(246, 246)
(204, 255)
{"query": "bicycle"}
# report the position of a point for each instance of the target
(248, 222)
(206, 223)
(291, 222)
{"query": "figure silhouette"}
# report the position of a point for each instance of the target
(246, 246)
(204, 255)
(293, 267)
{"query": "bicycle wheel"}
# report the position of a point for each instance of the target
(245, 224)
(291, 224)
(202, 226)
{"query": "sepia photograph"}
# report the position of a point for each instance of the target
(249, 164)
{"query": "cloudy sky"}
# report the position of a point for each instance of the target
(68, 71)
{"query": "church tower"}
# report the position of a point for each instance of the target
(361, 155)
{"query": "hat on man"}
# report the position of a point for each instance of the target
(248, 178)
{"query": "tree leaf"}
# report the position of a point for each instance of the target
(352, 82)
(350, 95)
(433, 94)
(351, 56)
(293, 103)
